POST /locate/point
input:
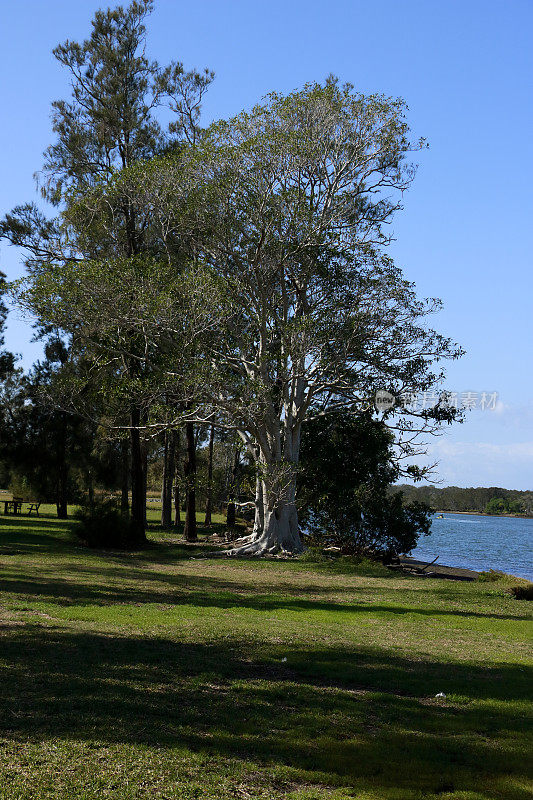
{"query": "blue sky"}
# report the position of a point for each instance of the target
(466, 71)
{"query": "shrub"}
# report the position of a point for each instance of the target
(103, 525)
(314, 555)
(490, 576)
(344, 487)
(522, 592)
(371, 524)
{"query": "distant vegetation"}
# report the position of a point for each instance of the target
(492, 500)
(504, 505)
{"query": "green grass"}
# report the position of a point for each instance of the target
(158, 675)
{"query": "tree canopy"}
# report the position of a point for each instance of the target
(268, 268)
(111, 122)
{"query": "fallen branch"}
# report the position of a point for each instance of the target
(428, 565)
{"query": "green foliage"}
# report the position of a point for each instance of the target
(314, 555)
(455, 498)
(110, 123)
(522, 592)
(503, 505)
(496, 506)
(7, 360)
(19, 486)
(346, 470)
(491, 576)
(47, 449)
(102, 525)
(8, 375)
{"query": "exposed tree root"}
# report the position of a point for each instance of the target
(258, 548)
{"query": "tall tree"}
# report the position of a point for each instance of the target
(108, 124)
(8, 381)
(292, 202)
(47, 445)
(290, 297)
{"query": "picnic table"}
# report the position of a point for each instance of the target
(14, 505)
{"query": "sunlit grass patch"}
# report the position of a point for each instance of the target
(141, 675)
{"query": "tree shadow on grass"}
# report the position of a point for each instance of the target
(126, 586)
(104, 585)
(28, 520)
(20, 534)
(356, 716)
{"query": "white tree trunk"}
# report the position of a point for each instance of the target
(279, 532)
(259, 520)
(276, 527)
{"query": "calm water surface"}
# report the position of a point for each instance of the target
(480, 543)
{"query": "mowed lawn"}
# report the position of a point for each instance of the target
(158, 675)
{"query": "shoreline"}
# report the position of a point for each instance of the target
(484, 514)
(427, 569)
(415, 566)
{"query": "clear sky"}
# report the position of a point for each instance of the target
(465, 68)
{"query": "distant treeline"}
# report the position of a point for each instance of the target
(453, 498)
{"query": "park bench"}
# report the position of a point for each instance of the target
(14, 505)
(33, 507)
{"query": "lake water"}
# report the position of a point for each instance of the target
(480, 543)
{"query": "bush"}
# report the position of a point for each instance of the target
(371, 524)
(314, 555)
(103, 525)
(490, 576)
(522, 592)
(344, 487)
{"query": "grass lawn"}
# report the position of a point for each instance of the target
(158, 675)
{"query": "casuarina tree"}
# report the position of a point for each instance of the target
(109, 123)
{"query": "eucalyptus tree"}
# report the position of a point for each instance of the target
(290, 207)
(109, 124)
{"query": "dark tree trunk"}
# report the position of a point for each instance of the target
(90, 489)
(177, 456)
(138, 516)
(209, 500)
(124, 477)
(190, 483)
(62, 469)
(168, 479)
(145, 478)
(230, 516)
(177, 510)
(231, 510)
(61, 503)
